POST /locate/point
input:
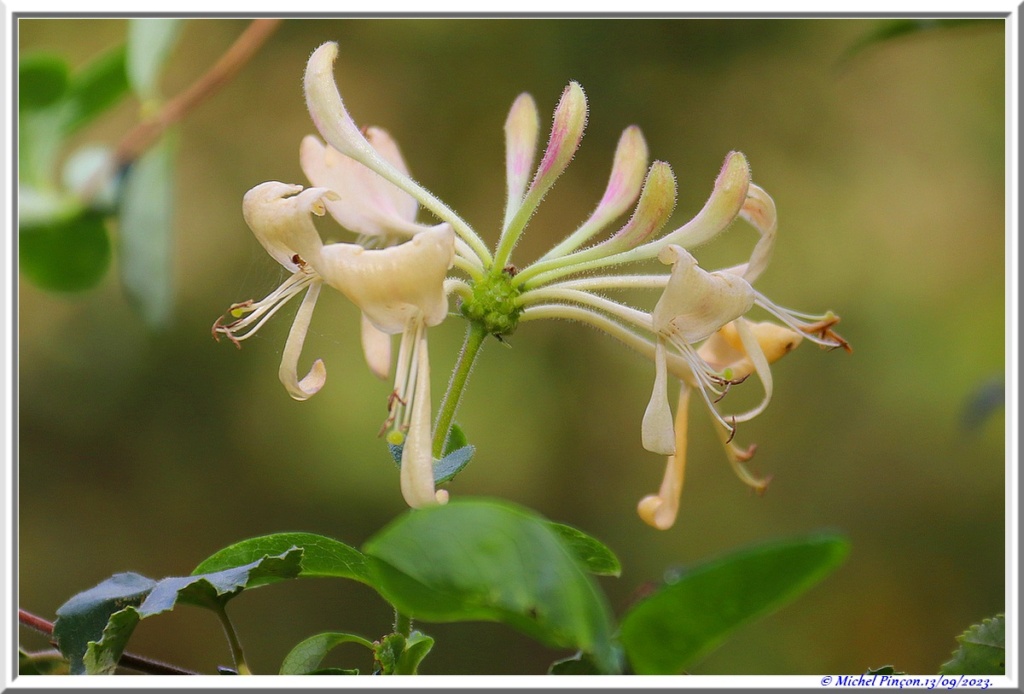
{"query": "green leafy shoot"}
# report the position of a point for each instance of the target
(666, 632)
(982, 650)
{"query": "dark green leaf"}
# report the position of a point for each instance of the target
(321, 556)
(594, 554)
(65, 255)
(93, 627)
(306, 657)
(150, 41)
(982, 650)
(84, 617)
(675, 626)
(42, 80)
(884, 670)
(95, 88)
(147, 234)
(579, 664)
(491, 561)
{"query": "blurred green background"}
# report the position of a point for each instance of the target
(148, 452)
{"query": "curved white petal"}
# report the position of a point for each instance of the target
(417, 475)
(696, 303)
(312, 382)
(279, 216)
(367, 203)
(376, 348)
(656, 431)
(660, 510)
(392, 285)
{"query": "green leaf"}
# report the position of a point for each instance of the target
(306, 657)
(147, 234)
(884, 670)
(42, 80)
(474, 560)
(675, 626)
(982, 650)
(417, 646)
(594, 554)
(321, 556)
(84, 617)
(42, 663)
(150, 41)
(457, 454)
(95, 88)
(67, 254)
(93, 628)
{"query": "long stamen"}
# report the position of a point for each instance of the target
(819, 331)
(261, 311)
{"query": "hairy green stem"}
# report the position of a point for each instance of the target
(233, 642)
(475, 335)
(403, 624)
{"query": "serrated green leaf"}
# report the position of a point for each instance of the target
(42, 80)
(321, 556)
(150, 41)
(65, 255)
(146, 238)
(84, 617)
(307, 655)
(95, 88)
(594, 554)
(476, 560)
(982, 650)
(675, 626)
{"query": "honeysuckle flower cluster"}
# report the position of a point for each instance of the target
(401, 273)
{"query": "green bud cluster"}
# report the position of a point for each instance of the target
(493, 304)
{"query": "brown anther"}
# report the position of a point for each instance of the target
(511, 270)
(732, 431)
(392, 398)
(299, 262)
(218, 329)
(823, 328)
(245, 304)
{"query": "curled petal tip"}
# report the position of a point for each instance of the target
(310, 384)
(655, 512)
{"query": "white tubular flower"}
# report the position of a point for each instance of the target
(727, 352)
(693, 306)
(279, 216)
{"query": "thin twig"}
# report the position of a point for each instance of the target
(143, 135)
(128, 660)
